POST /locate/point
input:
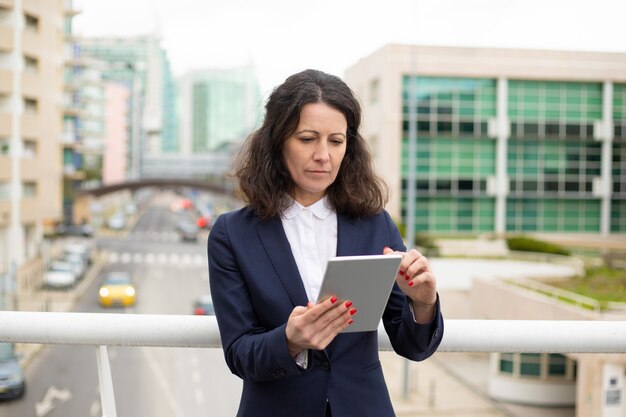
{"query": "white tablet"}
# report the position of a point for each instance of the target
(365, 280)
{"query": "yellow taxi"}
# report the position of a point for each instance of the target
(117, 290)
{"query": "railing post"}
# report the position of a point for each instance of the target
(107, 398)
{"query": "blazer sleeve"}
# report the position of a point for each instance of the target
(409, 339)
(252, 352)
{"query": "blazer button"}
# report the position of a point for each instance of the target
(282, 372)
(325, 366)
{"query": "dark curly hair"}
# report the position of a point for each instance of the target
(263, 177)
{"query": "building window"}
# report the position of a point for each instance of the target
(30, 149)
(31, 64)
(537, 366)
(530, 364)
(4, 190)
(30, 241)
(29, 189)
(30, 105)
(5, 146)
(32, 22)
(374, 91)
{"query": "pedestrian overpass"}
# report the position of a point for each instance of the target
(222, 187)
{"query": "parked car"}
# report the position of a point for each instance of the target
(84, 230)
(188, 230)
(203, 306)
(84, 250)
(117, 290)
(60, 275)
(12, 382)
(117, 221)
(78, 262)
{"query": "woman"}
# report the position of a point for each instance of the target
(311, 194)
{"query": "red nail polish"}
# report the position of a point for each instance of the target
(411, 284)
(353, 312)
(333, 299)
(350, 321)
(401, 272)
(348, 304)
(407, 277)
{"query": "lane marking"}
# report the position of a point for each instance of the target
(162, 381)
(46, 405)
(94, 410)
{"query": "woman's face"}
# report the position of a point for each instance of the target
(313, 153)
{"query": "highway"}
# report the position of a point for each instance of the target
(169, 274)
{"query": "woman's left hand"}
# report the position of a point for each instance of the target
(418, 282)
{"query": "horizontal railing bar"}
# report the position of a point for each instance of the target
(100, 329)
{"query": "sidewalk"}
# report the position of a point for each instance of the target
(433, 391)
(455, 384)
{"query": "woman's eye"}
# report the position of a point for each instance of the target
(306, 140)
(336, 142)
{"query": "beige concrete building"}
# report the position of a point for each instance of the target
(508, 140)
(31, 92)
(594, 383)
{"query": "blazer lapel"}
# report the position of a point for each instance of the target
(274, 240)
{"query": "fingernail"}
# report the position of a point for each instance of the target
(348, 304)
(401, 272)
(386, 247)
(333, 299)
(411, 284)
(353, 312)
(407, 277)
(350, 321)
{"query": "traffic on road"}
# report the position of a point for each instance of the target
(147, 267)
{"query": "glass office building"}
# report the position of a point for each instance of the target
(506, 140)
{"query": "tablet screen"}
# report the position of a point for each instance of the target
(366, 281)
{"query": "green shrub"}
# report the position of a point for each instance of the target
(526, 244)
(422, 240)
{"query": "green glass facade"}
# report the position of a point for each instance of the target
(454, 155)
(225, 107)
(552, 158)
(618, 174)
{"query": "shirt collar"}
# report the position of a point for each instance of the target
(320, 209)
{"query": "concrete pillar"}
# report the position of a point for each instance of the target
(502, 136)
(606, 136)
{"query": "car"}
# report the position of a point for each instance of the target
(78, 262)
(203, 306)
(65, 229)
(12, 382)
(117, 290)
(84, 250)
(117, 221)
(188, 230)
(60, 275)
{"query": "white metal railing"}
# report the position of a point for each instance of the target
(102, 330)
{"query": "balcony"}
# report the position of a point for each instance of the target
(103, 330)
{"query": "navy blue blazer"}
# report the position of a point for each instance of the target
(255, 285)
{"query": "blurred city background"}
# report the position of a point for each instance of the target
(500, 128)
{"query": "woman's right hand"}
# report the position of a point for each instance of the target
(316, 325)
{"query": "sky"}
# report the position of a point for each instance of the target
(281, 37)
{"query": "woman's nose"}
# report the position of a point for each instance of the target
(321, 152)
